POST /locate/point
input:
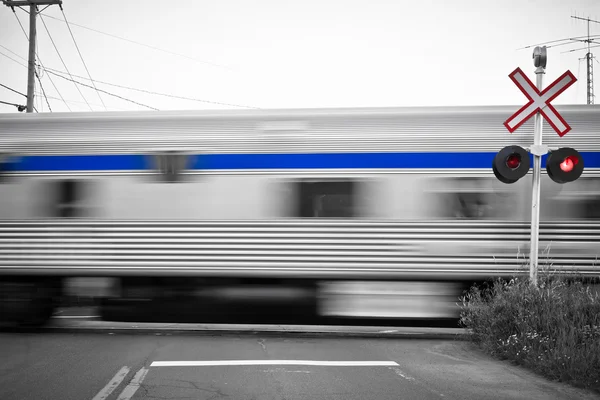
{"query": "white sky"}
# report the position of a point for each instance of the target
(299, 54)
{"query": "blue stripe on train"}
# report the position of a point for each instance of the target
(273, 161)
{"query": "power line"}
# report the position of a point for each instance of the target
(10, 51)
(123, 87)
(16, 91)
(20, 107)
(36, 75)
(157, 93)
(81, 102)
(103, 91)
(52, 82)
(50, 71)
(115, 85)
(20, 24)
(141, 44)
(80, 56)
(10, 58)
(43, 91)
(13, 90)
(61, 59)
(56, 71)
(38, 58)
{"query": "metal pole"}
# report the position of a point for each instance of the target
(535, 195)
(31, 70)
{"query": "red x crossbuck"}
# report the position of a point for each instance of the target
(540, 102)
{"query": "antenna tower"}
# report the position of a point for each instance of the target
(589, 60)
(590, 42)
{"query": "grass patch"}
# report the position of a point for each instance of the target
(553, 329)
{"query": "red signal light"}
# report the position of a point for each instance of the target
(513, 161)
(564, 165)
(511, 164)
(569, 163)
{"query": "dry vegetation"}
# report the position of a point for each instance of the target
(553, 329)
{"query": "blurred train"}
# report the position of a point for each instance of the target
(387, 212)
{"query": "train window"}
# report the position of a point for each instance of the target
(326, 199)
(464, 198)
(171, 165)
(68, 196)
(470, 205)
(592, 209)
(591, 202)
(7, 163)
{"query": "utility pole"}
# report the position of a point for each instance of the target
(590, 60)
(33, 11)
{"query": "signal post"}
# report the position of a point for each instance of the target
(512, 162)
(537, 150)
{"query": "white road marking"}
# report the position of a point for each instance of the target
(273, 362)
(75, 316)
(402, 374)
(112, 384)
(284, 370)
(134, 385)
(428, 387)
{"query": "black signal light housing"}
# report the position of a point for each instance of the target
(564, 165)
(511, 164)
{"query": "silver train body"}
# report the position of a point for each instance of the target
(314, 195)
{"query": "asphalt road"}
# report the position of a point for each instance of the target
(106, 365)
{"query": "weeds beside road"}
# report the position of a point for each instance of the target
(553, 329)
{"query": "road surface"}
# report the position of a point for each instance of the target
(116, 365)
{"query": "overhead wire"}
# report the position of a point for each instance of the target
(103, 91)
(111, 84)
(140, 44)
(43, 91)
(17, 92)
(10, 58)
(80, 56)
(50, 72)
(13, 90)
(36, 74)
(21, 107)
(81, 102)
(12, 52)
(58, 72)
(158, 93)
(40, 61)
(63, 62)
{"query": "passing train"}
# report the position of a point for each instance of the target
(128, 207)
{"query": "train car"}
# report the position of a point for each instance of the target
(334, 206)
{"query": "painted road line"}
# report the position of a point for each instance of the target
(112, 385)
(75, 316)
(274, 362)
(134, 385)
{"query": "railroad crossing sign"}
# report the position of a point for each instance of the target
(540, 101)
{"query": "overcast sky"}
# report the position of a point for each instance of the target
(297, 54)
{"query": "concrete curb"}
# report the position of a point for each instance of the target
(91, 326)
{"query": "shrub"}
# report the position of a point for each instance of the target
(553, 329)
